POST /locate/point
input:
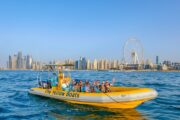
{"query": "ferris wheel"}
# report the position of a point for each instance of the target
(133, 52)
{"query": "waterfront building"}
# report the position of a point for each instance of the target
(114, 64)
(167, 63)
(164, 67)
(109, 65)
(24, 62)
(132, 67)
(19, 60)
(12, 62)
(95, 65)
(176, 66)
(71, 62)
(157, 60)
(121, 66)
(76, 64)
(134, 58)
(36, 65)
(92, 66)
(84, 63)
(101, 65)
(80, 64)
(29, 62)
(117, 64)
(88, 64)
(39, 65)
(105, 64)
(149, 64)
(98, 65)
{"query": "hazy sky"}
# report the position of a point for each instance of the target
(59, 29)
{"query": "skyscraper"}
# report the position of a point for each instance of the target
(95, 65)
(80, 64)
(13, 62)
(29, 62)
(84, 63)
(19, 61)
(76, 64)
(105, 64)
(88, 64)
(24, 62)
(101, 65)
(10, 62)
(157, 60)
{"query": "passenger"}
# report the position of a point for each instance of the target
(96, 87)
(44, 84)
(73, 82)
(40, 84)
(87, 86)
(107, 86)
(99, 85)
(103, 89)
(98, 82)
(72, 85)
(80, 86)
(76, 87)
(92, 87)
(49, 84)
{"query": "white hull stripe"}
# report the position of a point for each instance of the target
(107, 98)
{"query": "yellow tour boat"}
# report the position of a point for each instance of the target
(118, 97)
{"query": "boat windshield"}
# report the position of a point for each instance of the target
(47, 79)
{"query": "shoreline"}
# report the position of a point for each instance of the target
(107, 70)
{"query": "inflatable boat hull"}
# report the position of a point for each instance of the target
(120, 97)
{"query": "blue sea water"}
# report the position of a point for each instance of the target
(17, 104)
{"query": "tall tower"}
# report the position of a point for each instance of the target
(10, 62)
(19, 60)
(134, 58)
(105, 64)
(88, 64)
(157, 60)
(84, 63)
(80, 64)
(76, 64)
(14, 62)
(95, 65)
(29, 62)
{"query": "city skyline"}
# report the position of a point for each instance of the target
(95, 29)
(23, 62)
(20, 61)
